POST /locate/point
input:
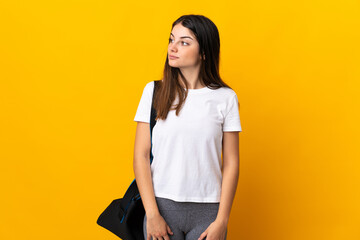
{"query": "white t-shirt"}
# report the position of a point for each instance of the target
(186, 149)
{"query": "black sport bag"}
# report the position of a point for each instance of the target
(124, 216)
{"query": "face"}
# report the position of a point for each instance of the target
(184, 46)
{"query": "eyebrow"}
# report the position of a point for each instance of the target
(183, 36)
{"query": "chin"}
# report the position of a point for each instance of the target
(173, 65)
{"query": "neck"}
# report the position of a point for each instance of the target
(192, 77)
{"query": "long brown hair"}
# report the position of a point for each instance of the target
(207, 35)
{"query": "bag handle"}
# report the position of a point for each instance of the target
(132, 193)
(152, 117)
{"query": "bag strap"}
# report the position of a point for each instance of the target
(153, 116)
(132, 192)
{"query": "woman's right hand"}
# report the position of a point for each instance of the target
(157, 228)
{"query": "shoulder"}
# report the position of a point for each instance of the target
(225, 93)
(149, 86)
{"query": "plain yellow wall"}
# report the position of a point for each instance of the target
(72, 74)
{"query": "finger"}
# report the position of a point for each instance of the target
(202, 235)
(169, 230)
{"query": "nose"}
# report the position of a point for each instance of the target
(172, 48)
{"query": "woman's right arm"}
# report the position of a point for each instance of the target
(156, 226)
(142, 171)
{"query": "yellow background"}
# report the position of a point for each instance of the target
(72, 74)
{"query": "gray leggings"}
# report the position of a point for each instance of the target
(187, 220)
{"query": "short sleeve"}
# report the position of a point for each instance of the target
(232, 118)
(144, 108)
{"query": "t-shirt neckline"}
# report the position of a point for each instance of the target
(198, 90)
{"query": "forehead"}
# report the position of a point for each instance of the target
(179, 31)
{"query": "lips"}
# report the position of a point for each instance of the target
(173, 57)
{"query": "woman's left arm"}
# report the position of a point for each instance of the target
(217, 229)
(230, 175)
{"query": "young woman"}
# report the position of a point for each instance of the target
(187, 192)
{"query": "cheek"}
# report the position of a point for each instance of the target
(191, 54)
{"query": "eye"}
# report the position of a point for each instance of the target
(182, 42)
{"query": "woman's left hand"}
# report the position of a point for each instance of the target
(215, 231)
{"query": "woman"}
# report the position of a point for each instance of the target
(184, 192)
